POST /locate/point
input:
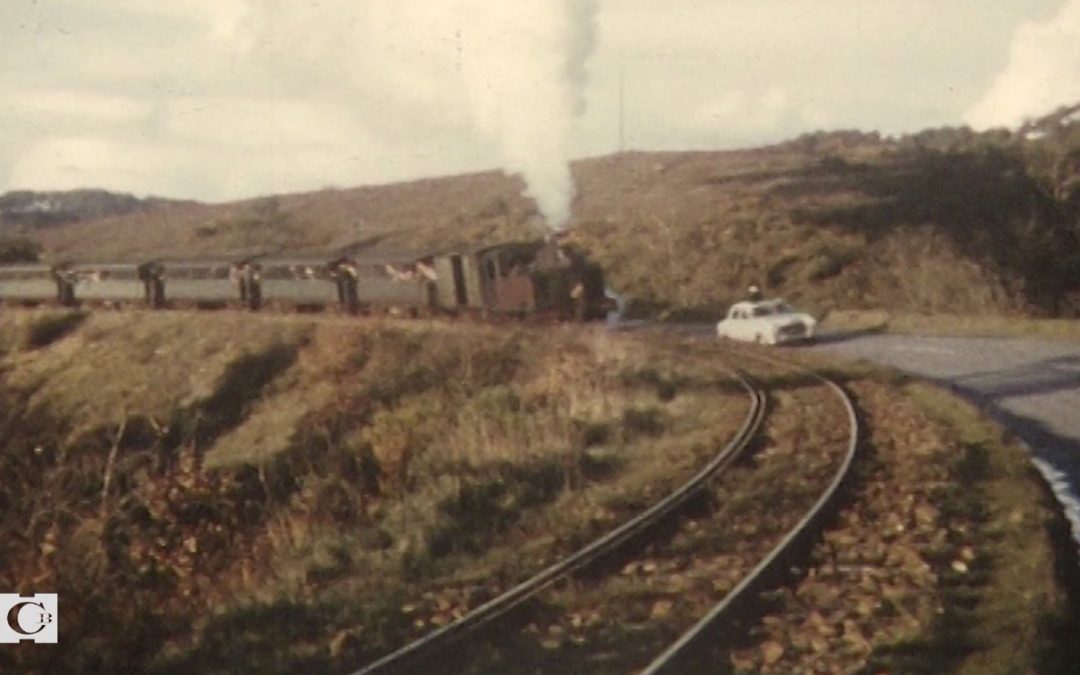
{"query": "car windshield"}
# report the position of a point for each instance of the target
(763, 310)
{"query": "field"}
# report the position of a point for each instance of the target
(279, 493)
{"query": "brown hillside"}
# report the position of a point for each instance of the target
(421, 214)
(945, 221)
(285, 493)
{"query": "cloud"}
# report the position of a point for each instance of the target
(87, 161)
(87, 106)
(758, 111)
(345, 92)
(1043, 72)
(259, 122)
(143, 167)
(207, 168)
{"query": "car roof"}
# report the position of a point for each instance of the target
(750, 304)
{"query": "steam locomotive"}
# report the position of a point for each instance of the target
(519, 279)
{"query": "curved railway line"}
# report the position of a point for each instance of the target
(691, 644)
(694, 643)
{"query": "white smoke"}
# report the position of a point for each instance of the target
(523, 68)
(1042, 74)
(512, 72)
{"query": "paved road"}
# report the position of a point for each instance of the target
(1032, 387)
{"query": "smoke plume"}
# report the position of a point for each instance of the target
(524, 72)
(1042, 74)
(512, 73)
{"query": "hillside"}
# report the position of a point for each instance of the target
(183, 478)
(228, 492)
(942, 221)
(28, 210)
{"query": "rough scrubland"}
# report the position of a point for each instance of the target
(942, 222)
(225, 492)
(950, 557)
(267, 492)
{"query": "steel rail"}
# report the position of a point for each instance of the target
(670, 660)
(433, 643)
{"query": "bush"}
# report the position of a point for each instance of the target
(828, 262)
(19, 249)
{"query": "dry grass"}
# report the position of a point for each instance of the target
(286, 493)
(1016, 615)
(880, 321)
(120, 365)
(211, 482)
(223, 472)
(621, 614)
(852, 223)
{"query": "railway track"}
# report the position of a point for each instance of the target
(693, 643)
(435, 642)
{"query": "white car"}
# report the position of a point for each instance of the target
(768, 322)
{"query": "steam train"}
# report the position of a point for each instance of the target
(516, 279)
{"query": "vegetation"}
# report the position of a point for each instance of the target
(285, 493)
(943, 221)
(188, 475)
(1005, 610)
(930, 567)
(31, 209)
(853, 322)
(18, 249)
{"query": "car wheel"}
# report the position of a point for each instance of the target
(757, 338)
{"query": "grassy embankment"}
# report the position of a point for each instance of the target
(861, 322)
(950, 556)
(1014, 613)
(281, 493)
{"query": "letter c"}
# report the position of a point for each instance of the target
(13, 618)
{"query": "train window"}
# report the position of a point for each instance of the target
(490, 267)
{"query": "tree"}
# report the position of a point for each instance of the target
(19, 249)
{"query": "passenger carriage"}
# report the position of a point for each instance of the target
(518, 279)
(303, 282)
(29, 284)
(202, 282)
(112, 283)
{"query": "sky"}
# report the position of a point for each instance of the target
(226, 99)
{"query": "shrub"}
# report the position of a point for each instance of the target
(828, 262)
(19, 249)
(395, 436)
